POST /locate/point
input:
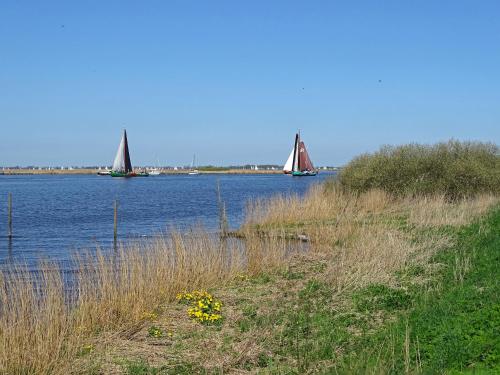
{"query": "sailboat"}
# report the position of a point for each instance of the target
(192, 170)
(122, 167)
(298, 162)
(156, 171)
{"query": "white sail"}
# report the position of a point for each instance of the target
(289, 163)
(119, 163)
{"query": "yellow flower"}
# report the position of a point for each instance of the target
(149, 315)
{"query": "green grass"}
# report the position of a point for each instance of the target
(455, 169)
(454, 323)
(380, 297)
(448, 324)
(140, 367)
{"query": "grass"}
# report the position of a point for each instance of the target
(454, 169)
(320, 310)
(453, 323)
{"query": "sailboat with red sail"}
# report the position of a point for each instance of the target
(122, 166)
(299, 163)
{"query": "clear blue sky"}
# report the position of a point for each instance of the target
(232, 80)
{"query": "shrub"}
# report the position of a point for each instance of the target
(454, 169)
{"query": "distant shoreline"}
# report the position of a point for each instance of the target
(84, 171)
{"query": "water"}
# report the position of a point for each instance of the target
(55, 216)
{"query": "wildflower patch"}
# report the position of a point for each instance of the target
(155, 332)
(204, 308)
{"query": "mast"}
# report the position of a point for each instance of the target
(295, 166)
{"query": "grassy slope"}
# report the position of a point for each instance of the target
(451, 324)
(442, 317)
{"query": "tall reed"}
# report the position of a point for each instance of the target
(42, 330)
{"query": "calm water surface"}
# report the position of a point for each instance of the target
(56, 216)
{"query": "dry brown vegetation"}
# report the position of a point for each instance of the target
(40, 332)
(354, 240)
(368, 235)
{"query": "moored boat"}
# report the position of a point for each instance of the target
(193, 171)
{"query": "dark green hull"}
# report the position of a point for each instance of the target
(130, 174)
(305, 173)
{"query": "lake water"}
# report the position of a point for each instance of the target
(56, 215)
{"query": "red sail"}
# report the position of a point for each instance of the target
(305, 164)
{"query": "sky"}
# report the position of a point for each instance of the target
(232, 81)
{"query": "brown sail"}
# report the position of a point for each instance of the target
(305, 163)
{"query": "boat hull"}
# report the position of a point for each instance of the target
(127, 175)
(304, 174)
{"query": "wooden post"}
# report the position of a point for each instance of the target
(222, 212)
(9, 214)
(115, 229)
(224, 219)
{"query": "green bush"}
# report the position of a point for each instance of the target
(454, 169)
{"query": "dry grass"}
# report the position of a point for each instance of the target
(437, 211)
(368, 235)
(360, 239)
(40, 332)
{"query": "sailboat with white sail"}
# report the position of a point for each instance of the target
(299, 163)
(193, 171)
(122, 167)
(156, 171)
